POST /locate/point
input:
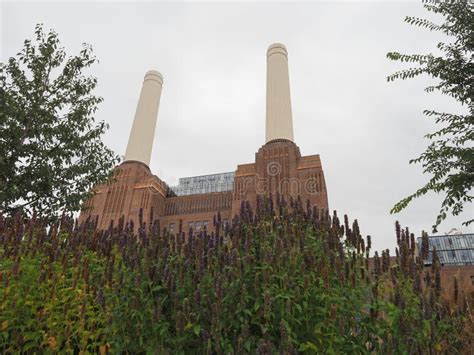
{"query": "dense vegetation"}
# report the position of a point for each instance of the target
(284, 278)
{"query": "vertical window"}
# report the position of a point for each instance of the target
(171, 227)
(198, 225)
(191, 225)
(205, 224)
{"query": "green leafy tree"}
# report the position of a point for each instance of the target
(51, 153)
(449, 158)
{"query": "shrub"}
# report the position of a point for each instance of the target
(284, 278)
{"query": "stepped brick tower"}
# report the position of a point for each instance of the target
(279, 167)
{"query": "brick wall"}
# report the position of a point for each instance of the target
(279, 167)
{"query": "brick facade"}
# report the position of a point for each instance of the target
(278, 168)
(465, 278)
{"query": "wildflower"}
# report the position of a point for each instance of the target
(428, 279)
(424, 245)
(436, 270)
(377, 269)
(386, 260)
(456, 290)
(264, 348)
(417, 284)
(398, 233)
(267, 304)
(412, 242)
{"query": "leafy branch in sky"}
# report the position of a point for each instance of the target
(449, 158)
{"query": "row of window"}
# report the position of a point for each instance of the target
(195, 225)
(202, 188)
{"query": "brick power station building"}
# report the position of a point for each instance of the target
(278, 167)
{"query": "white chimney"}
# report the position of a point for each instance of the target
(279, 121)
(140, 142)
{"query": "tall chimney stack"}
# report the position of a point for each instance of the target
(279, 121)
(140, 142)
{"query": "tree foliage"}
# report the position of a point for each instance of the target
(449, 158)
(51, 153)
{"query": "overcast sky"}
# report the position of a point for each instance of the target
(212, 111)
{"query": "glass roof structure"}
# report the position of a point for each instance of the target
(204, 184)
(456, 249)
